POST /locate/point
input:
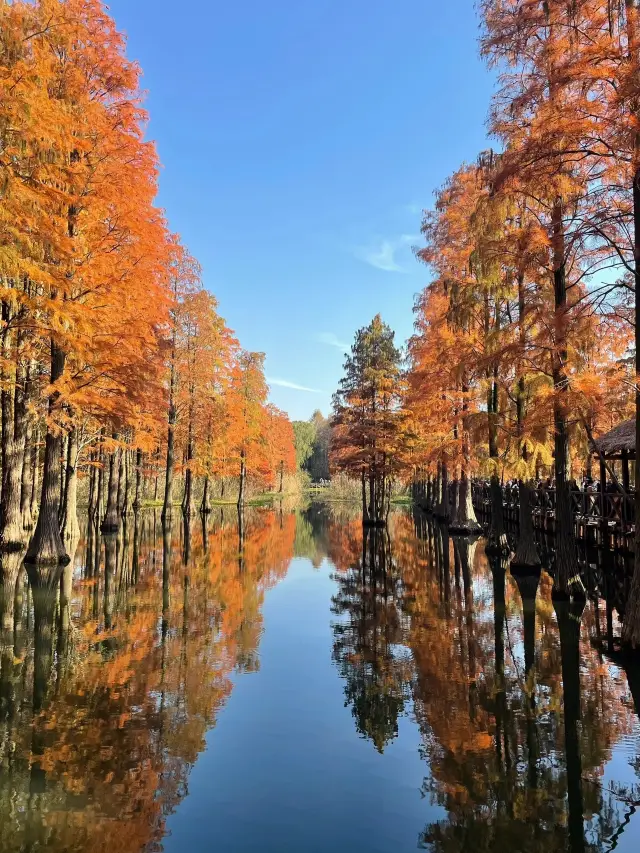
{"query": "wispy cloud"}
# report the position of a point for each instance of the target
(285, 383)
(332, 340)
(382, 254)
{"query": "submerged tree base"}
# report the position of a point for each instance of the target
(374, 522)
(497, 546)
(524, 569)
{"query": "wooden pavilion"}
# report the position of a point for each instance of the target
(617, 444)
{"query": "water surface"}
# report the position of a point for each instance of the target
(287, 684)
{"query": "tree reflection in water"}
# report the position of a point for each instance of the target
(108, 687)
(113, 669)
(518, 710)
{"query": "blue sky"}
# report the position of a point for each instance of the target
(300, 140)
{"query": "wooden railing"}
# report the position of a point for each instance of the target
(609, 511)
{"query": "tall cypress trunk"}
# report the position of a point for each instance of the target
(631, 624)
(70, 527)
(13, 445)
(526, 551)
(188, 507)
(365, 514)
(171, 427)
(9, 570)
(111, 522)
(569, 629)
(47, 547)
(205, 506)
(126, 492)
(465, 520)
(281, 489)
(100, 488)
(120, 468)
(566, 558)
(442, 509)
(243, 475)
(29, 498)
(137, 500)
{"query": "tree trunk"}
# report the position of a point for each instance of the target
(631, 624)
(205, 506)
(442, 509)
(46, 547)
(363, 483)
(111, 521)
(100, 488)
(120, 468)
(526, 556)
(569, 630)
(167, 506)
(31, 449)
(567, 576)
(137, 500)
(70, 527)
(243, 474)
(35, 476)
(14, 416)
(9, 570)
(126, 493)
(465, 520)
(497, 543)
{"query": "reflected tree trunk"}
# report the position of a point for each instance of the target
(568, 616)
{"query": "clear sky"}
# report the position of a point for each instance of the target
(300, 140)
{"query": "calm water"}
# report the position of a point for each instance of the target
(288, 687)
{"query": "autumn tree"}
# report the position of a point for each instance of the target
(368, 436)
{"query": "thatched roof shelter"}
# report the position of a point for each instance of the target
(619, 441)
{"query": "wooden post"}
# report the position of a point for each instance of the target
(603, 521)
(625, 497)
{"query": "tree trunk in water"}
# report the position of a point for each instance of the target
(566, 558)
(47, 547)
(137, 500)
(526, 556)
(437, 491)
(499, 612)
(14, 420)
(454, 491)
(120, 469)
(465, 520)
(31, 450)
(442, 509)
(168, 487)
(100, 489)
(110, 571)
(111, 522)
(631, 624)
(497, 543)
(187, 505)
(205, 506)
(70, 526)
(569, 629)
(9, 570)
(188, 508)
(44, 600)
(365, 513)
(126, 492)
(35, 479)
(243, 474)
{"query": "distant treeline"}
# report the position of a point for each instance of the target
(312, 439)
